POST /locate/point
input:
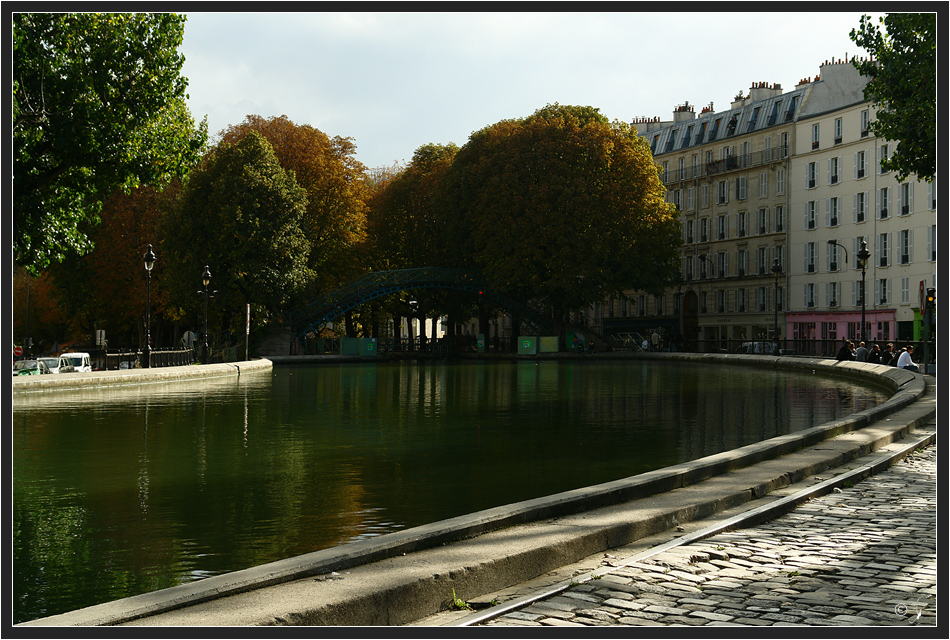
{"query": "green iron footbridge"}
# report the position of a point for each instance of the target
(307, 319)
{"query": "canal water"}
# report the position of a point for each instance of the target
(121, 491)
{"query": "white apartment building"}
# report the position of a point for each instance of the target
(776, 195)
(841, 198)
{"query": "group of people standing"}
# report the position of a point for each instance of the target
(875, 355)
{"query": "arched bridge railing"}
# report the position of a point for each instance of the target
(312, 316)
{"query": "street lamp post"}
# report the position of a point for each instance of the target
(149, 260)
(862, 257)
(205, 280)
(776, 271)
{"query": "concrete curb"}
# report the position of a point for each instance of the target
(25, 384)
(688, 491)
(749, 518)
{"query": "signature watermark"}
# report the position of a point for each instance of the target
(903, 609)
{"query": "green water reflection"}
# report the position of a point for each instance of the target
(122, 491)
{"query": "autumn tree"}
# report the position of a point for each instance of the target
(562, 207)
(239, 213)
(402, 225)
(903, 87)
(98, 105)
(106, 288)
(402, 211)
(326, 168)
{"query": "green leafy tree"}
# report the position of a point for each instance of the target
(98, 105)
(562, 207)
(403, 231)
(402, 221)
(240, 214)
(336, 187)
(903, 86)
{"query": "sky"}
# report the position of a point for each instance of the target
(396, 81)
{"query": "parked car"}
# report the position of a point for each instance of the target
(755, 347)
(80, 361)
(58, 364)
(29, 368)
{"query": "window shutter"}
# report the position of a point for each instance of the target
(827, 212)
(854, 208)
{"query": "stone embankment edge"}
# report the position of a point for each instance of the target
(124, 377)
(907, 387)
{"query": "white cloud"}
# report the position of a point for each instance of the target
(395, 81)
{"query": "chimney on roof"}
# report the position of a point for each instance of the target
(684, 112)
(763, 90)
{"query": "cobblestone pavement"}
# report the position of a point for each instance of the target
(863, 555)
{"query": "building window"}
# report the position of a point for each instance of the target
(932, 242)
(832, 294)
(779, 181)
(742, 262)
(837, 130)
(702, 302)
(704, 230)
(764, 184)
(810, 257)
(762, 220)
(689, 268)
(906, 195)
(810, 222)
(691, 198)
(722, 197)
(677, 198)
(814, 136)
(689, 231)
(865, 123)
(906, 245)
(741, 188)
(722, 264)
(905, 290)
(860, 164)
(779, 218)
(882, 290)
(704, 196)
(883, 202)
(762, 261)
(722, 228)
(883, 249)
(740, 300)
(831, 211)
(933, 194)
(721, 301)
(833, 168)
(811, 175)
(810, 295)
(833, 262)
(763, 298)
(742, 224)
(882, 157)
(860, 206)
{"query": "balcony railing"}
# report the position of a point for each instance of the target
(732, 163)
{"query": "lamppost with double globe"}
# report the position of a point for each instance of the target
(862, 257)
(205, 280)
(149, 260)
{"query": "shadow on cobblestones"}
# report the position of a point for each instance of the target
(860, 556)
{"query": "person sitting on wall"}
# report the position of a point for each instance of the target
(846, 352)
(861, 355)
(905, 361)
(887, 356)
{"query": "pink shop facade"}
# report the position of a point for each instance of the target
(880, 324)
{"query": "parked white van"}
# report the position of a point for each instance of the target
(80, 361)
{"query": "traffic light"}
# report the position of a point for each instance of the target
(931, 298)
